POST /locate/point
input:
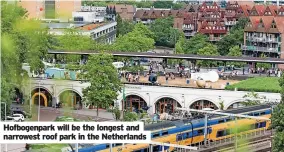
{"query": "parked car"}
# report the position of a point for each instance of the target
(18, 117)
(20, 112)
(9, 119)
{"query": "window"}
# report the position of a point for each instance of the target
(200, 132)
(179, 137)
(256, 114)
(156, 135)
(164, 133)
(220, 133)
(263, 113)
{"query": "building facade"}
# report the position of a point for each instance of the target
(51, 9)
(264, 35)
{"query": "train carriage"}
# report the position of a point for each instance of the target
(189, 131)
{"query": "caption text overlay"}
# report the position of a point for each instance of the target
(74, 132)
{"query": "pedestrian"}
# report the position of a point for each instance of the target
(167, 78)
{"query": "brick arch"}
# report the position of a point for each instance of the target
(121, 103)
(70, 89)
(163, 107)
(204, 98)
(232, 102)
(35, 88)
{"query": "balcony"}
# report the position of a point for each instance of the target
(188, 28)
(215, 39)
(230, 23)
(263, 39)
(189, 33)
(260, 49)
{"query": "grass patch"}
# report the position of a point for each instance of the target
(258, 84)
(49, 147)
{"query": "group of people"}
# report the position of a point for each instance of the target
(269, 72)
(130, 77)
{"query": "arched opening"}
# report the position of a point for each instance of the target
(166, 105)
(71, 98)
(41, 96)
(19, 98)
(134, 103)
(201, 104)
(235, 105)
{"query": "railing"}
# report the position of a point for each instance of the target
(260, 49)
(230, 23)
(263, 39)
(188, 28)
(215, 38)
(221, 144)
(189, 33)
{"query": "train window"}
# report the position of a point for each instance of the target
(221, 121)
(263, 124)
(199, 132)
(107, 145)
(250, 114)
(256, 125)
(220, 133)
(164, 133)
(228, 119)
(256, 114)
(262, 113)
(146, 150)
(156, 135)
(119, 144)
(179, 137)
(156, 148)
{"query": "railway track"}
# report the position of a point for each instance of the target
(253, 146)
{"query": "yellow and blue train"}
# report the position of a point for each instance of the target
(191, 131)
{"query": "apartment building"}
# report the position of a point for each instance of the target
(214, 31)
(148, 16)
(51, 9)
(264, 34)
(103, 32)
(187, 23)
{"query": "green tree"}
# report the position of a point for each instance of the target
(233, 38)
(165, 34)
(123, 26)
(163, 4)
(236, 51)
(104, 80)
(197, 42)
(263, 65)
(277, 121)
(23, 41)
(179, 47)
(73, 40)
(210, 50)
(138, 40)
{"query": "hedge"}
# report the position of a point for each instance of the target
(258, 84)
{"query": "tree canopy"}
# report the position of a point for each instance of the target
(23, 41)
(192, 45)
(235, 51)
(104, 80)
(165, 34)
(138, 40)
(209, 50)
(277, 121)
(233, 38)
(123, 26)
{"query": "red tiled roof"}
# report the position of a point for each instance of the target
(259, 8)
(279, 20)
(207, 28)
(271, 8)
(267, 21)
(153, 14)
